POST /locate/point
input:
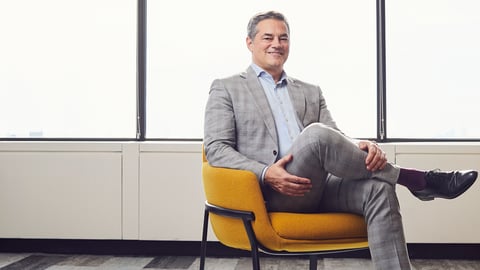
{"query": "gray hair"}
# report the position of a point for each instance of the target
(252, 24)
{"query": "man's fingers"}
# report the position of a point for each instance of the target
(283, 161)
(295, 189)
(378, 162)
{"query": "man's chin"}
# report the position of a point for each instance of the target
(277, 64)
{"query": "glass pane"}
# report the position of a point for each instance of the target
(68, 68)
(433, 63)
(333, 45)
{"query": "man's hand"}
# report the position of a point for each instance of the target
(376, 158)
(280, 180)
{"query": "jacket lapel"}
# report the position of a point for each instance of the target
(297, 96)
(261, 101)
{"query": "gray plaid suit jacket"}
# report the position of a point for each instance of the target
(239, 127)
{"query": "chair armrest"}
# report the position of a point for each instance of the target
(244, 215)
(233, 189)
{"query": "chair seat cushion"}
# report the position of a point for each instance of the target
(322, 226)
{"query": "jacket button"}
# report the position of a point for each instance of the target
(274, 152)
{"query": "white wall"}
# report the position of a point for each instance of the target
(153, 191)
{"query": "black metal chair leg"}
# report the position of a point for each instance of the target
(255, 260)
(313, 262)
(203, 251)
(253, 243)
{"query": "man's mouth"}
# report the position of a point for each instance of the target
(278, 53)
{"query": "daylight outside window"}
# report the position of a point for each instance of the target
(67, 69)
(331, 46)
(433, 63)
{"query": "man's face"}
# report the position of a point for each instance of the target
(270, 47)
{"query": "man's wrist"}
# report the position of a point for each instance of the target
(264, 172)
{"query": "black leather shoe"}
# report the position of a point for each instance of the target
(446, 185)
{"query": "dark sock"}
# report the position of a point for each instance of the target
(412, 179)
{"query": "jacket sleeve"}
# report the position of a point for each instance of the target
(220, 133)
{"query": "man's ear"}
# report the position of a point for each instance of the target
(249, 43)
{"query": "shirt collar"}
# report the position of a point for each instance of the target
(260, 72)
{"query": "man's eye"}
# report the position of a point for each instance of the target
(267, 38)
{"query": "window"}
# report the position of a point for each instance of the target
(333, 45)
(433, 62)
(68, 69)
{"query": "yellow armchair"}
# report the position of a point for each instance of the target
(236, 209)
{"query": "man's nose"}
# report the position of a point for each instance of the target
(276, 42)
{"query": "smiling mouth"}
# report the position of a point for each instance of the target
(277, 53)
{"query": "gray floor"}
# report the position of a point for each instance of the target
(24, 261)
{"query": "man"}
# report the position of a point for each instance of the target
(280, 128)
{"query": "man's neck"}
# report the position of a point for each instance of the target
(276, 75)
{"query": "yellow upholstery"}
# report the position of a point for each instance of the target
(319, 226)
(292, 232)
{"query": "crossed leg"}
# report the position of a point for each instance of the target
(321, 152)
(317, 152)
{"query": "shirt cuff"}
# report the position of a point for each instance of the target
(262, 179)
